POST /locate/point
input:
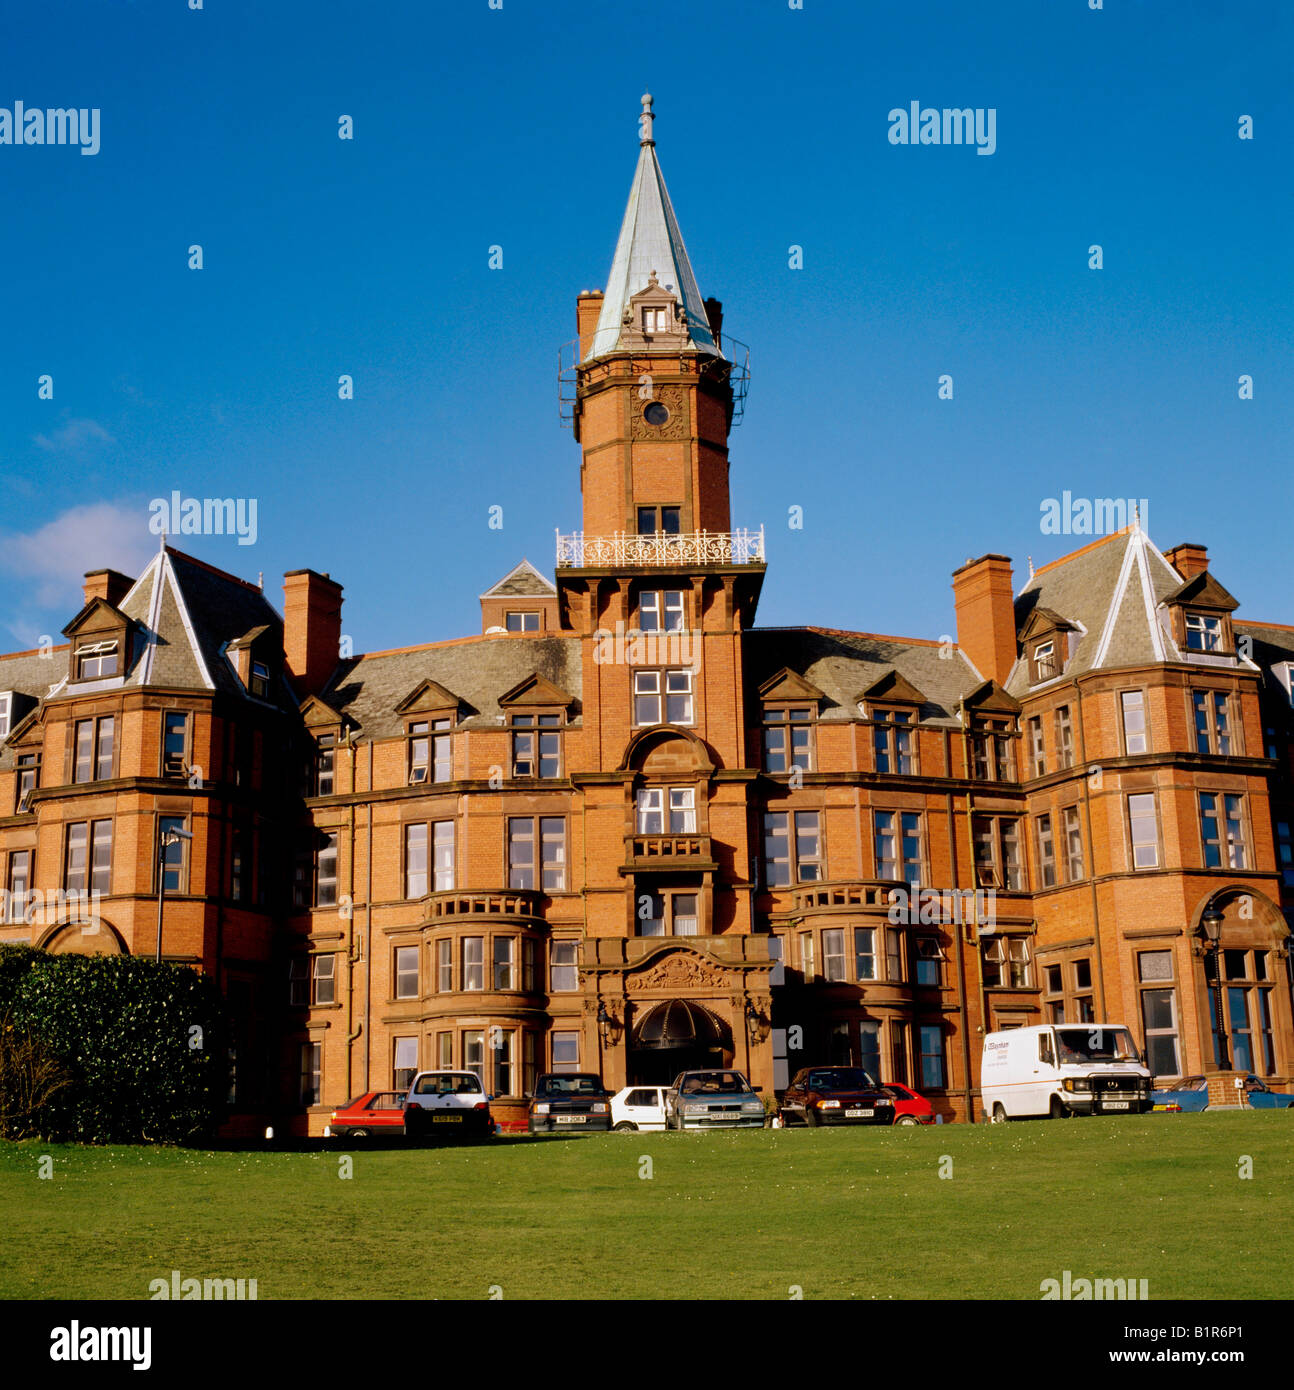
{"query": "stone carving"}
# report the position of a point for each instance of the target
(677, 971)
(674, 399)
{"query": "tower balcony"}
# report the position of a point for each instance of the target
(624, 550)
(666, 853)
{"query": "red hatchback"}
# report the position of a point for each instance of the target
(909, 1108)
(369, 1115)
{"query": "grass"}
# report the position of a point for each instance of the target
(852, 1213)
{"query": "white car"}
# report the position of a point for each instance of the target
(639, 1107)
(447, 1100)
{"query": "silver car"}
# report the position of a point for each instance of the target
(713, 1100)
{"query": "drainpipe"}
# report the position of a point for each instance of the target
(368, 921)
(961, 971)
(352, 1032)
(1091, 845)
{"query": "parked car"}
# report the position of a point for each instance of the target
(1063, 1069)
(713, 1100)
(1191, 1095)
(573, 1102)
(367, 1116)
(1261, 1097)
(445, 1102)
(910, 1108)
(836, 1096)
(638, 1107)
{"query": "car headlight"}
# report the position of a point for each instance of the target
(883, 1102)
(541, 1108)
(599, 1108)
(753, 1107)
(828, 1105)
(1077, 1083)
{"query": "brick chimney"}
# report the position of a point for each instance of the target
(1188, 559)
(109, 585)
(714, 312)
(984, 599)
(587, 308)
(311, 628)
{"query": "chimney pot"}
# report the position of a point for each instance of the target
(311, 628)
(985, 604)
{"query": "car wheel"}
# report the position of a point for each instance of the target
(625, 1126)
(907, 1120)
(999, 1114)
(359, 1134)
(1058, 1110)
(810, 1117)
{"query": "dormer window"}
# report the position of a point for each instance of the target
(1203, 632)
(259, 680)
(430, 757)
(892, 739)
(655, 319)
(1044, 662)
(6, 712)
(992, 750)
(522, 622)
(788, 738)
(95, 660)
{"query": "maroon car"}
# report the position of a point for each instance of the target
(910, 1108)
(836, 1096)
(367, 1116)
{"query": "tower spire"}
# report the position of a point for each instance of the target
(645, 120)
(650, 240)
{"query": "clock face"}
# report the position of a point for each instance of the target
(655, 413)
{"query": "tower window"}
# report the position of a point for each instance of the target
(654, 319)
(654, 520)
(655, 413)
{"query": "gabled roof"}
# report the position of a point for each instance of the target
(1045, 620)
(1109, 592)
(97, 608)
(789, 685)
(990, 698)
(536, 690)
(522, 579)
(428, 695)
(895, 687)
(650, 240)
(1203, 591)
(368, 689)
(840, 664)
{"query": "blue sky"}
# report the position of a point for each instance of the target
(517, 127)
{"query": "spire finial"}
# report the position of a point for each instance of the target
(645, 120)
(1030, 566)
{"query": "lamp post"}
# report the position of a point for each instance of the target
(1211, 930)
(164, 841)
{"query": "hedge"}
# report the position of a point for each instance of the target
(142, 1048)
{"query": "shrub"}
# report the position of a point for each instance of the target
(144, 1045)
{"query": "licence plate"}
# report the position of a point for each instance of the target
(446, 1119)
(570, 1119)
(1114, 1105)
(859, 1114)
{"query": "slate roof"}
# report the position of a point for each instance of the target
(1273, 648)
(844, 664)
(476, 669)
(32, 673)
(522, 579)
(650, 240)
(1111, 590)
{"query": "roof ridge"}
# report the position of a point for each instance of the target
(35, 651)
(849, 632)
(459, 641)
(212, 569)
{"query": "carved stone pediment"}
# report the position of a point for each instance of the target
(679, 970)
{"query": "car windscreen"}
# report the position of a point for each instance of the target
(446, 1084)
(715, 1083)
(841, 1079)
(571, 1086)
(1095, 1045)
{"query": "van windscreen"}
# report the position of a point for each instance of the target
(1095, 1045)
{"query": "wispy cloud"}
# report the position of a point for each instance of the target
(73, 437)
(46, 567)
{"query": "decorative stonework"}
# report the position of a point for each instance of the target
(678, 426)
(677, 971)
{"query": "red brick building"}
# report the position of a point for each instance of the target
(626, 829)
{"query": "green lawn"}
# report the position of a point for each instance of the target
(857, 1213)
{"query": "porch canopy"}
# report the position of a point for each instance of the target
(679, 1023)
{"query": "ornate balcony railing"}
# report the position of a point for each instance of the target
(622, 548)
(514, 902)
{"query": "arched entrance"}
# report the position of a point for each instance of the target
(676, 1035)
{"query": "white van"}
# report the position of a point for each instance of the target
(1060, 1069)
